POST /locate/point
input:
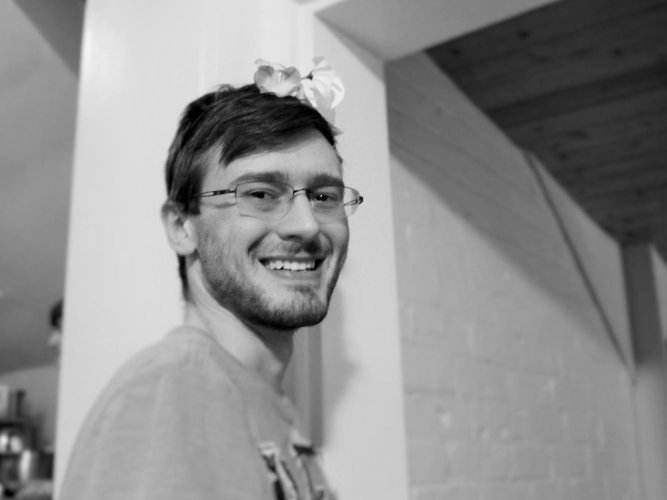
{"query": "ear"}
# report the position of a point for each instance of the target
(180, 230)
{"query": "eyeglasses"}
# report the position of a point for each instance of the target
(270, 200)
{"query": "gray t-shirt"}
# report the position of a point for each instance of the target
(184, 419)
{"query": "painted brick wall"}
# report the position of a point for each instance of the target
(513, 387)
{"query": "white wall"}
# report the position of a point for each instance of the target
(136, 77)
(644, 274)
(361, 340)
(121, 286)
(514, 388)
(600, 262)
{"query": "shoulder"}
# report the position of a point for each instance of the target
(172, 411)
(185, 351)
(181, 377)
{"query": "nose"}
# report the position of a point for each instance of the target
(299, 222)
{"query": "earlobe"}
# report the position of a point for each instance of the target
(180, 231)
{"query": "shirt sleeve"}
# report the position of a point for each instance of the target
(174, 435)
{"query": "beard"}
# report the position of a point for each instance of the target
(296, 307)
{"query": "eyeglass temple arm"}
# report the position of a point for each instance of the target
(358, 201)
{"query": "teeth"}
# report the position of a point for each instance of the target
(288, 265)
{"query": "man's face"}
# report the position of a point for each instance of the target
(255, 268)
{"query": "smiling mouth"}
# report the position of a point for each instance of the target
(291, 265)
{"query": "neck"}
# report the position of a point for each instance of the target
(265, 351)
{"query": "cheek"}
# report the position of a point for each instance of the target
(231, 239)
(339, 237)
(337, 240)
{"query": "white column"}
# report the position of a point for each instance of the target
(142, 63)
(364, 430)
(651, 363)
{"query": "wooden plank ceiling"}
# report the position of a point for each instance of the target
(583, 85)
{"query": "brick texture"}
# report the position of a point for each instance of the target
(513, 389)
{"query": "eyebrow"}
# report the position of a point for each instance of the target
(270, 176)
(276, 176)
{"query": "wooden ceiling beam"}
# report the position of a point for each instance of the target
(656, 233)
(660, 235)
(565, 63)
(643, 187)
(582, 136)
(637, 152)
(636, 237)
(610, 212)
(550, 22)
(649, 225)
(632, 149)
(581, 97)
(630, 184)
(650, 222)
(618, 181)
(614, 172)
(592, 118)
(653, 194)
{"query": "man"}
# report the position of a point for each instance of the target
(257, 215)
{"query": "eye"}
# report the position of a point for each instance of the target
(328, 195)
(261, 194)
(322, 197)
(260, 191)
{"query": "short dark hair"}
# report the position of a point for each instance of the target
(232, 122)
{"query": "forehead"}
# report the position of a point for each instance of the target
(310, 159)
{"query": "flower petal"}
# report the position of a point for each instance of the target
(262, 62)
(278, 80)
(322, 88)
(325, 84)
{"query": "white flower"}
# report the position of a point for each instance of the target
(321, 89)
(278, 80)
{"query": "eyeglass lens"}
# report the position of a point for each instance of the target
(272, 200)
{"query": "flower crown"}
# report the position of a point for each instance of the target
(320, 89)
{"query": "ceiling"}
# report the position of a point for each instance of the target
(582, 84)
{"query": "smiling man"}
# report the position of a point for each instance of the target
(274, 257)
(257, 215)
